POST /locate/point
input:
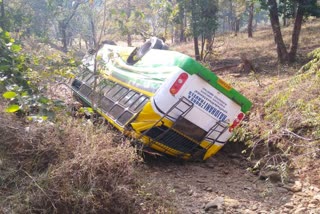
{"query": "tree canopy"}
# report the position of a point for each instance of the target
(67, 23)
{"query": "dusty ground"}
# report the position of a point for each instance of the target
(223, 185)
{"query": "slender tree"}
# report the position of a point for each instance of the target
(250, 19)
(64, 11)
(304, 7)
(203, 23)
(2, 16)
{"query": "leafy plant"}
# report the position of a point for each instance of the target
(288, 125)
(24, 86)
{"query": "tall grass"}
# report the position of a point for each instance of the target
(68, 167)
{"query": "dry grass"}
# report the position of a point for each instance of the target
(73, 166)
(283, 126)
(260, 49)
(68, 167)
(284, 103)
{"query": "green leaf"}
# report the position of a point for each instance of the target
(90, 110)
(72, 61)
(12, 108)
(86, 110)
(4, 67)
(24, 94)
(50, 115)
(6, 35)
(43, 100)
(37, 118)
(15, 48)
(9, 94)
(59, 103)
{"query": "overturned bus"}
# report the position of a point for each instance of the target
(164, 100)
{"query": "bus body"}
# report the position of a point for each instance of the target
(167, 101)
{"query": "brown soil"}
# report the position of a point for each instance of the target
(223, 184)
(195, 187)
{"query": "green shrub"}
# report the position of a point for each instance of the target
(288, 125)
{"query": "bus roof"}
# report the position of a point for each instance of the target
(157, 65)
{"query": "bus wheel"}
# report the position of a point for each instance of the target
(138, 53)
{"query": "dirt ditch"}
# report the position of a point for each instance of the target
(224, 185)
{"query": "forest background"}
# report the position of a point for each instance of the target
(55, 160)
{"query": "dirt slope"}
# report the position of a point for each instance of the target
(223, 185)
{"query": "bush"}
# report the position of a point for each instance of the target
(71, 167)
(288, 126)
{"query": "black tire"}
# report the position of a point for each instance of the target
(138, 53)
(157, 43)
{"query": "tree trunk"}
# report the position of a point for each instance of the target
(236, 26)
(63, 25)
(195, 32)
(209, 42)
(63, 31)
(196, 48)
(172, 34)
(284, 18)
(165, 30)
(224, 24)
(250, 20)
(203, 41)
(129, 40)
(296, 32)
(94, 34)
(128, 12)
(182, 37)
(2, 18)
(282, 52)
(231, 17)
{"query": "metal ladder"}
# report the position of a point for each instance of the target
(183, 106)
(215, 128)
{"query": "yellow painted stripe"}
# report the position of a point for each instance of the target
(120, 128)
(147, 93)
(224, 84)
(212, 150)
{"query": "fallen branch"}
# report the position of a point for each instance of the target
(290, 133)
(224, 68)
(37, 185)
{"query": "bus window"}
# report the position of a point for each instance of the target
(124, 118)
(113, 91)
(116, 92)
(87, 77)
(120, 94)
(106, 104)
(84, 75)
(139, 104)
(85, 90)
(105, 86)
(116, 111)
(130, 98)
(105, 83)
(90, 81)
